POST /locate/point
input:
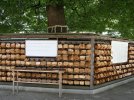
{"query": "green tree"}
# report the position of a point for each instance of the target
(80, 15)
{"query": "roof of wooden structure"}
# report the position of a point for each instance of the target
(62, 36)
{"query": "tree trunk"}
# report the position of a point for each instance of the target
(56, 17)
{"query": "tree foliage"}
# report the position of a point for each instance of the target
(81, 15)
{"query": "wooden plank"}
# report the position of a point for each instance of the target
(92, 64)
(63, 35)
(45, 71)
(34, 82)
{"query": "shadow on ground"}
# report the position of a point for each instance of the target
(123, 92)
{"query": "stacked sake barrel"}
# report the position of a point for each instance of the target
(131, 57)
(104, 71)
(38, 77)
(5, 73)
(2, 73)
(11, 54)
(75, 58)
(123, 70)
(131, 53)
(126, 69)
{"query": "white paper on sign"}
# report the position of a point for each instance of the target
(41, 48)
(119, 51)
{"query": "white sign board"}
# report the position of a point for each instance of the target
(41, 48)
(119, 51)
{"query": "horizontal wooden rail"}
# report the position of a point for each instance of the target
(17, 79)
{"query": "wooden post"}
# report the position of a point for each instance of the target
(92, 64)
(60, 83)
(17, 82)
(13, 80)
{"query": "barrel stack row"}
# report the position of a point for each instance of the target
(105, 71)
(74, 58)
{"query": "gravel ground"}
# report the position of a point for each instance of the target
(123, 92)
